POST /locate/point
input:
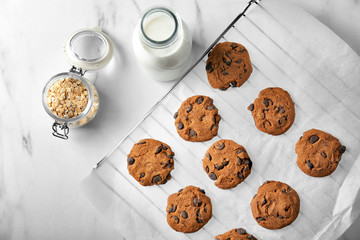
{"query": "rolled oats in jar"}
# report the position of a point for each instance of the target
(68, 97)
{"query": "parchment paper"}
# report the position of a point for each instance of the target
(288, 49)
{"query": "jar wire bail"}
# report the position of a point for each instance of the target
(60, 126)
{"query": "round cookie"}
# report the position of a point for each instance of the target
(228, 65)
(197, 119)
(188, 210)
(319, 153)
(227, 163)
(150, 162)
(236, 234)
(276, 205)
(273, 111)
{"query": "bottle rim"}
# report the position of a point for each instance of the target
(171, 39)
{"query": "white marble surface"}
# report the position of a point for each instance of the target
(40, 196)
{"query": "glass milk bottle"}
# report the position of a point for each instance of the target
(162, 44)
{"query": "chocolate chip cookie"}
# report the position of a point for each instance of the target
(228, 65)
(236, 234)
(319, 153)
(188, 210)
(227, 163)
(273, 111)
(150, 162)
(276, 205)
(197, 119)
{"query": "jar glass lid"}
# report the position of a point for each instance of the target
(89, 49)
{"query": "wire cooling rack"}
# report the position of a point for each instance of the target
(281, 56)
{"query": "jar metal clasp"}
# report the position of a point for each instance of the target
(58, 127)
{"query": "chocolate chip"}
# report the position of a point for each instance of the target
(233, 84)
(142, 175)
(248, 162)
(142, 142)
(281, 109)
(282, 120)
(200, 100)
(251, 237)
(287, 208)
(220, 146)
(241, 231)
(227, 54)
(227, 61)
(130, 160)
(192, 133)
(170, 156)
(241, 50)
(218, 167)
(176, 114)
(202, 191)
(251, 107)
(223, 89)
(280, 217)
(209, 67)
(288, 189)
(313, 139)
(233, 45)
(263, 202)
(283, 191)
(169, 166)
(184, 214)
(225, 163)
(205, 210)
(157, 179)
(342, 149)
(208, 156)
(239, 61)
(186, 118)
(207, 169)
(210, 107)
(240, 161)
(240, 151)
(172, 208)
(189, 108)
(259, 219)
(212, 176)
(324, 154)
(180, 126)
(266, 102)
(158, 150)
(176, 219)
(245, 70)
(199, 220)
(310, 165)
(240, 175)
(213, 127)
(180, 190)
(197, 203)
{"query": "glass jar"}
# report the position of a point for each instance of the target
(162, 44)
(68, 97)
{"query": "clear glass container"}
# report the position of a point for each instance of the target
(162, 44)
(86, 49)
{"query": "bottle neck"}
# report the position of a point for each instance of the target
(159, 27)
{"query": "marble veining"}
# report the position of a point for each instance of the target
(40, 176)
